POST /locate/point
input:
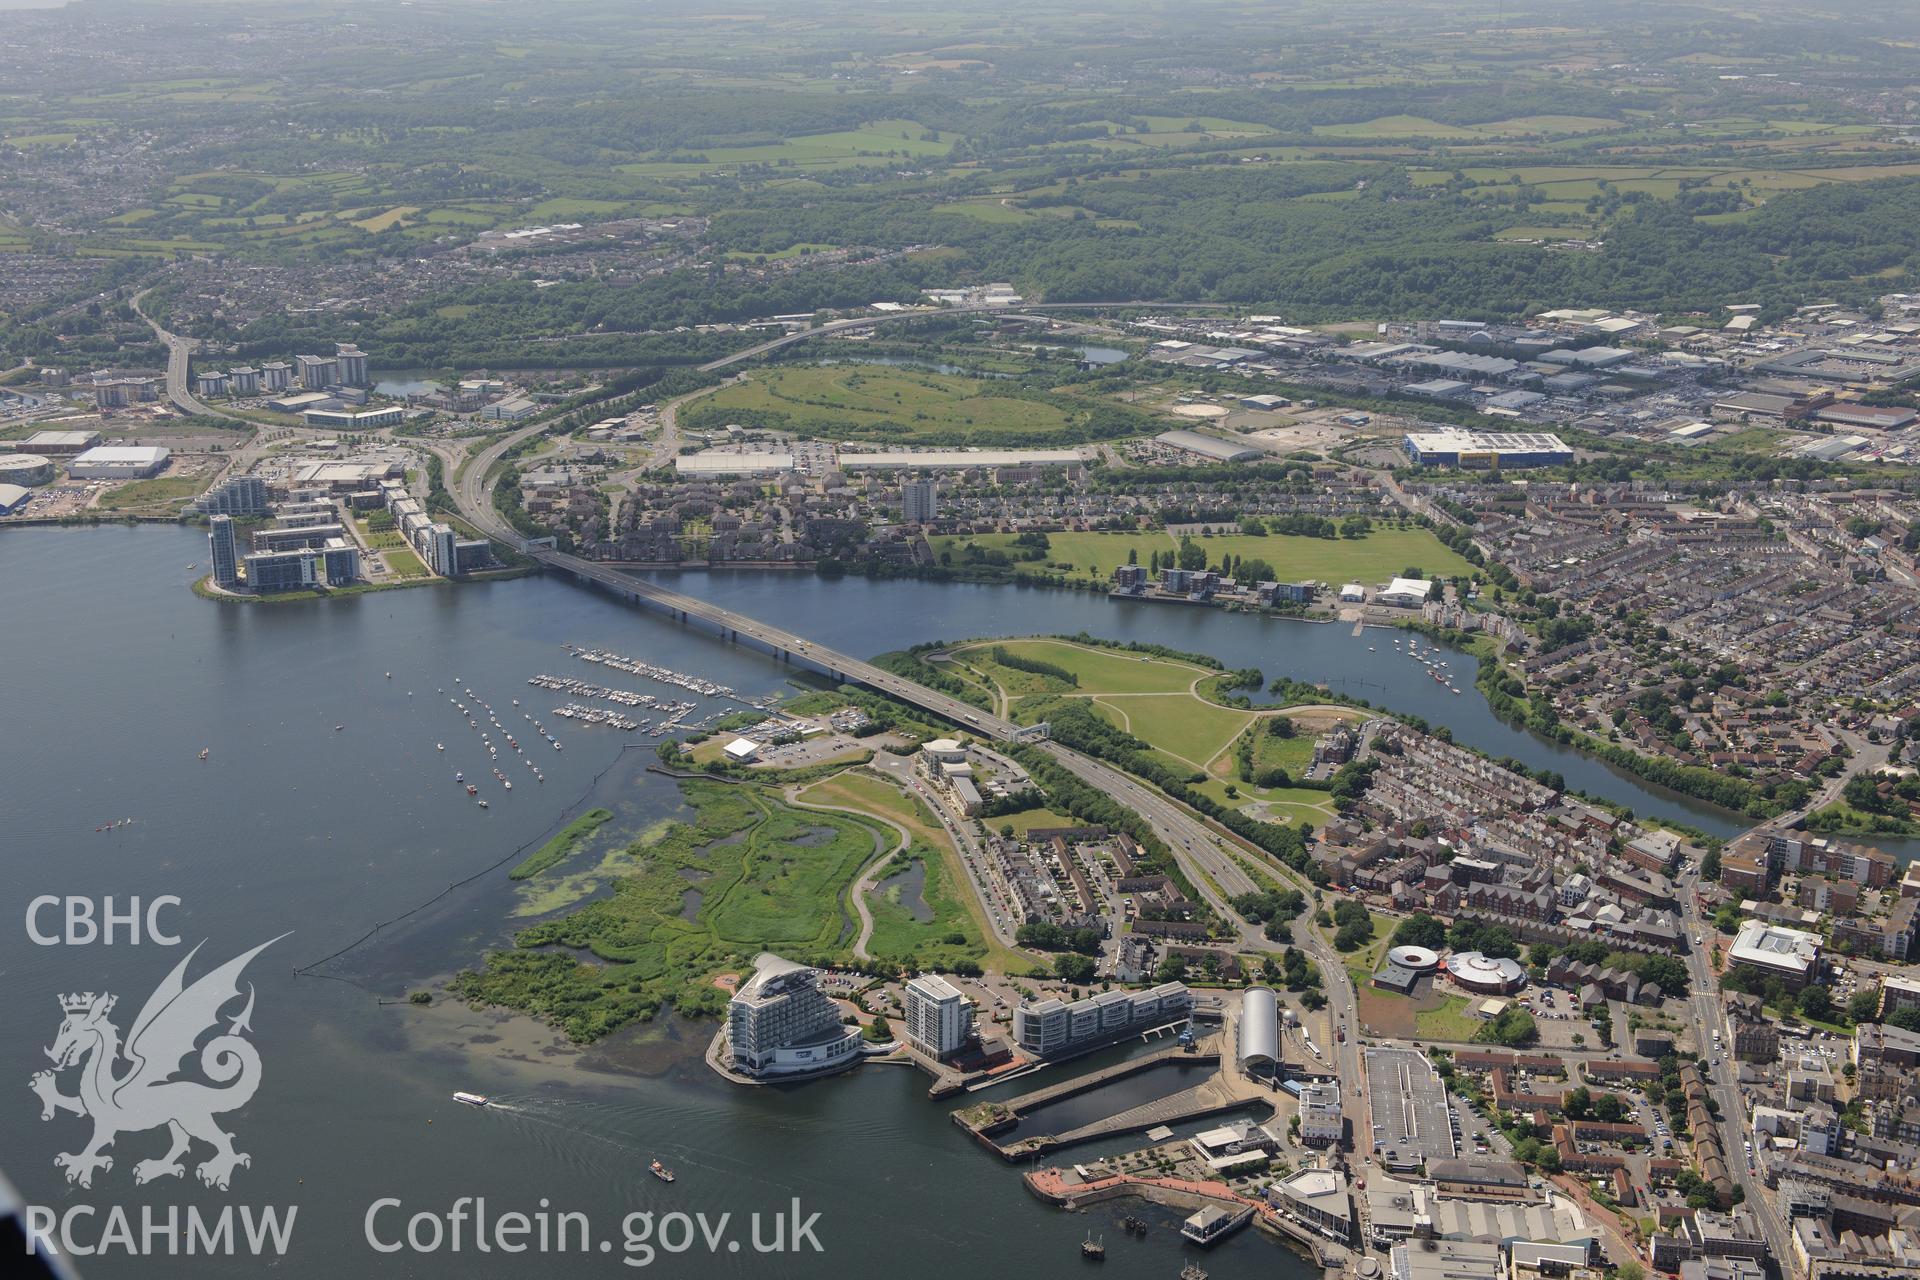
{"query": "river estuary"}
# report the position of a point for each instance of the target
(324, 811)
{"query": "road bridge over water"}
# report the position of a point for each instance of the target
(784, 645)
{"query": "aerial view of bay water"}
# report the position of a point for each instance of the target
(323, 811)
(976, 639)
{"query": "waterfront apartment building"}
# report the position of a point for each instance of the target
(340, 560)
(780, 1023)
(282, 570)
(1052, 1028)
(441, 555)
(308, 537)
(224, 550)
(939, 1018)
(240, 496)
(353, 364)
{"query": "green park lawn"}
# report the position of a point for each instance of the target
(1365, 961)
(1450, 1022)
(879, 402)
(405, 564)
(1098, 670)
(1026, 820)
(1273, 804)
(956, 910)
(1178, 723)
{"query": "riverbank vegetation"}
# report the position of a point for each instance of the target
(743, 873)
(1871, 804)
(563, 843)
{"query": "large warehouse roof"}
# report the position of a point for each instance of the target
(122, 455)
(960, 459)
(1208, 446)
(1456, 441)
(715, 463)
(57, 440)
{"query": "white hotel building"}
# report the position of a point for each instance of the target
(779, 1023)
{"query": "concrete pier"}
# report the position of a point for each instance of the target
(1216, 1094)
(1189, 1104)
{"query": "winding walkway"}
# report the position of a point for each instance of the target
(863, 884)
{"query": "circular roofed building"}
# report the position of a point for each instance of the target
(1414, 959)
(25, 469)
(1477, 972)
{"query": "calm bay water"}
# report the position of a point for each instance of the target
(118, 676)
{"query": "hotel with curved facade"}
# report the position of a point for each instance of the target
(779, 1023)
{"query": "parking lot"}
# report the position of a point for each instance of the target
(1408, 1107)
(816, 750)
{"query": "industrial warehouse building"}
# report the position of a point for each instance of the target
(1486, 449)
(718, 463)
(958, 459)
(118, 462)
(59, 444)
(1208, 447)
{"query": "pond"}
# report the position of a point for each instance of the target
(907, 888)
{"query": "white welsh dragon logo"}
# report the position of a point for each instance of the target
(146, 1095)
